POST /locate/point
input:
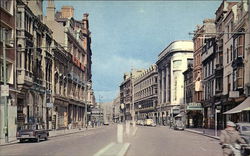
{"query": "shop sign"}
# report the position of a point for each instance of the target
(194, 106)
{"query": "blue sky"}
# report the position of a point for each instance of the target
(128, 34)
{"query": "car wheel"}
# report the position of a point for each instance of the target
(21, 140)
(46, 138)
(38, 139)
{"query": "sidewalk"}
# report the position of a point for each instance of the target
(55, 133)
(206, 132)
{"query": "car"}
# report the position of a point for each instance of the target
(140, 122)
(244, 130)
(32, 132)
(106, 123)
(149, 122)
(178, 125)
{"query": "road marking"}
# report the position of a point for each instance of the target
(203, 149)
(104, 149)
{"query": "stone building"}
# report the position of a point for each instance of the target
(7, 22)
(72, 78)
(236, 63)
(116, 109)
(222, 61)
(171, 63)
(145, 94)
(126, 94)
(193, 111)
(34, 66)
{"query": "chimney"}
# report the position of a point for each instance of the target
(51, 10)
(85, 21)
(67, 11)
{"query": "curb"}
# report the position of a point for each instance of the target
(201, 133)
(64, 134)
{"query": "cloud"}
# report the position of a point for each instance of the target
(108, 75)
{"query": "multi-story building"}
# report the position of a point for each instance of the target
(223, 45)
(236, 66)
(208, 82)
(73, 78)
(7, 35)
(116, 109)
(34, 66)
(145, 93)
(127, 94)
(201, 33)
(172, 62)
(193, 112)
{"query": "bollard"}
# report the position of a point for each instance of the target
(119, 133)
(127, 128)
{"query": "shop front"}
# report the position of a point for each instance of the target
(194, 115)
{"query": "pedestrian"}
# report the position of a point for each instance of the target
(229, 136)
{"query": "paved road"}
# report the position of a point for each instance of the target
(148, 141)
(79, 144)
(162, 141)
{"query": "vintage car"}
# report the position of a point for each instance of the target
(244, 130)
(32, 132)
(178, 125)
(149, 122)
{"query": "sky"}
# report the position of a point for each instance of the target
(131, 34)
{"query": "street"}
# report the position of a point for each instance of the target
(147, 141)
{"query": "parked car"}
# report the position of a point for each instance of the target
(149, 122)
(106, 123)
(244, 130)
(32, 132)
(140, 122)
(178, 125)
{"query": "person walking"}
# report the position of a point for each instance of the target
(230, 137)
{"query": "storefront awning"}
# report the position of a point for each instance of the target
(244, 106)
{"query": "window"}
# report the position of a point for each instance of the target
(231, 52)
(240, 46)
(190, 62)
(240, 75)
(176, 63)
(7, 5)
(19, 20)
(9, 72)
(227, 55)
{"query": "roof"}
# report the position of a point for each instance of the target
(180, 45)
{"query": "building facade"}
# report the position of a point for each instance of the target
(236, 76)
(7, 35)
(72, 79)
(172, 62)
(127, 94)
(34, 67)
(145, 94)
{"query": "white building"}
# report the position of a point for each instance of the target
(172, 62)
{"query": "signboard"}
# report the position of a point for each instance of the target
(4, 90)
(194, 106)
(234, 94)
